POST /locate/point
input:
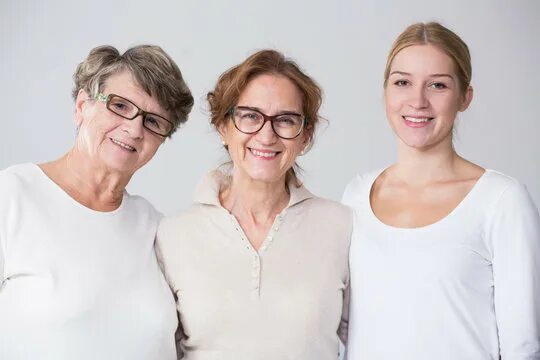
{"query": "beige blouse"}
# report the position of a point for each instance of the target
(287, 301)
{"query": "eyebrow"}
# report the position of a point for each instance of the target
(284, 112)
(431, 75)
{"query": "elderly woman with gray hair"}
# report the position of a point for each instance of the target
(78, 274)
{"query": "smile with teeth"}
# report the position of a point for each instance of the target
(121, 144)
(264, 154)
(418, 119)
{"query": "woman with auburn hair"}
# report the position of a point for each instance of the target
(445, 256)
(79, 278)
(259, 265)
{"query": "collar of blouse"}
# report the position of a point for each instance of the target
(207, 191)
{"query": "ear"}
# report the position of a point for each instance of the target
(223, 131)
(467, 99)
(307, 140)
(80, 103)
(306, 144)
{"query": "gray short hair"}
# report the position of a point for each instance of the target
(152, 69)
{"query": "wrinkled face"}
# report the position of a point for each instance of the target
(423, 96)
(263, 156)
(113, 142)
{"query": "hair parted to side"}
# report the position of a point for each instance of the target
(232, 82)
(446, 40)
(154, 71)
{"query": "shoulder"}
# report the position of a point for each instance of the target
(359, 187)
(501, 188)
(192, 214)
(328, 206)
(506, 198)
(183, 222)
(17, 174)
(512, 217)
(327, 211)
(142, 205)
(16, 179)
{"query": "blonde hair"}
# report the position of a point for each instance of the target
(151, 67)
(441, 37)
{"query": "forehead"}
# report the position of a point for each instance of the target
(271, 92)
(125, 85)
(423, 59)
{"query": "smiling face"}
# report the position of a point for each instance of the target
(263, 156)
(113, 142)
(422, 97)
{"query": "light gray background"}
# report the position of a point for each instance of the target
(342, 44)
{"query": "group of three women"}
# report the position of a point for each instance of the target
(439, 260)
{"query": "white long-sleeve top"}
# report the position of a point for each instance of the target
(464, 288)
(78, 284)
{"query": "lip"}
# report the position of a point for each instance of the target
(264, 154)
(123, 145)
(416, 121)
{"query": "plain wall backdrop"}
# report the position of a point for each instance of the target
(341, 44)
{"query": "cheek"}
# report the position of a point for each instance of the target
(90, 132)
(294, 149)
(153, 146)
(392, 102)
(447, 106)
(99, 124)
(236, 144)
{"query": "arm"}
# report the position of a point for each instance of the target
(343, 329)
(344, 324)
(5, 189)
(179, 334)
(1, 263)
(514, 236)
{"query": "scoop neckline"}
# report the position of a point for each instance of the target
(438, 222)
(64, 194)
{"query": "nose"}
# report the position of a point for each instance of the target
(266, 135)
(134, 127)
(418, 98)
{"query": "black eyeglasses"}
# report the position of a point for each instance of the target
(128, 110)
(287, 125)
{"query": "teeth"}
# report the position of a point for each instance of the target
(125, 146)
(417, 120)
(263, 154)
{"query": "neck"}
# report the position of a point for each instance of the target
(88, 181)
(423, 166)
(256, 200)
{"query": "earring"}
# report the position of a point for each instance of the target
(223, 142)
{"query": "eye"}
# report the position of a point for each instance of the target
(121, 106)
(249, 115)
(288, 120)
(438, 85)
(401, 82)
(152, 122)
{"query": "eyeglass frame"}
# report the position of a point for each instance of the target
(266, 118)
(107, 100)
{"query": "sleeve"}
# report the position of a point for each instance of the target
(514, 235)
(350, 192)
(344, 324)
(343, 329)
(1, 262)
(158, 248)
(5, 190)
